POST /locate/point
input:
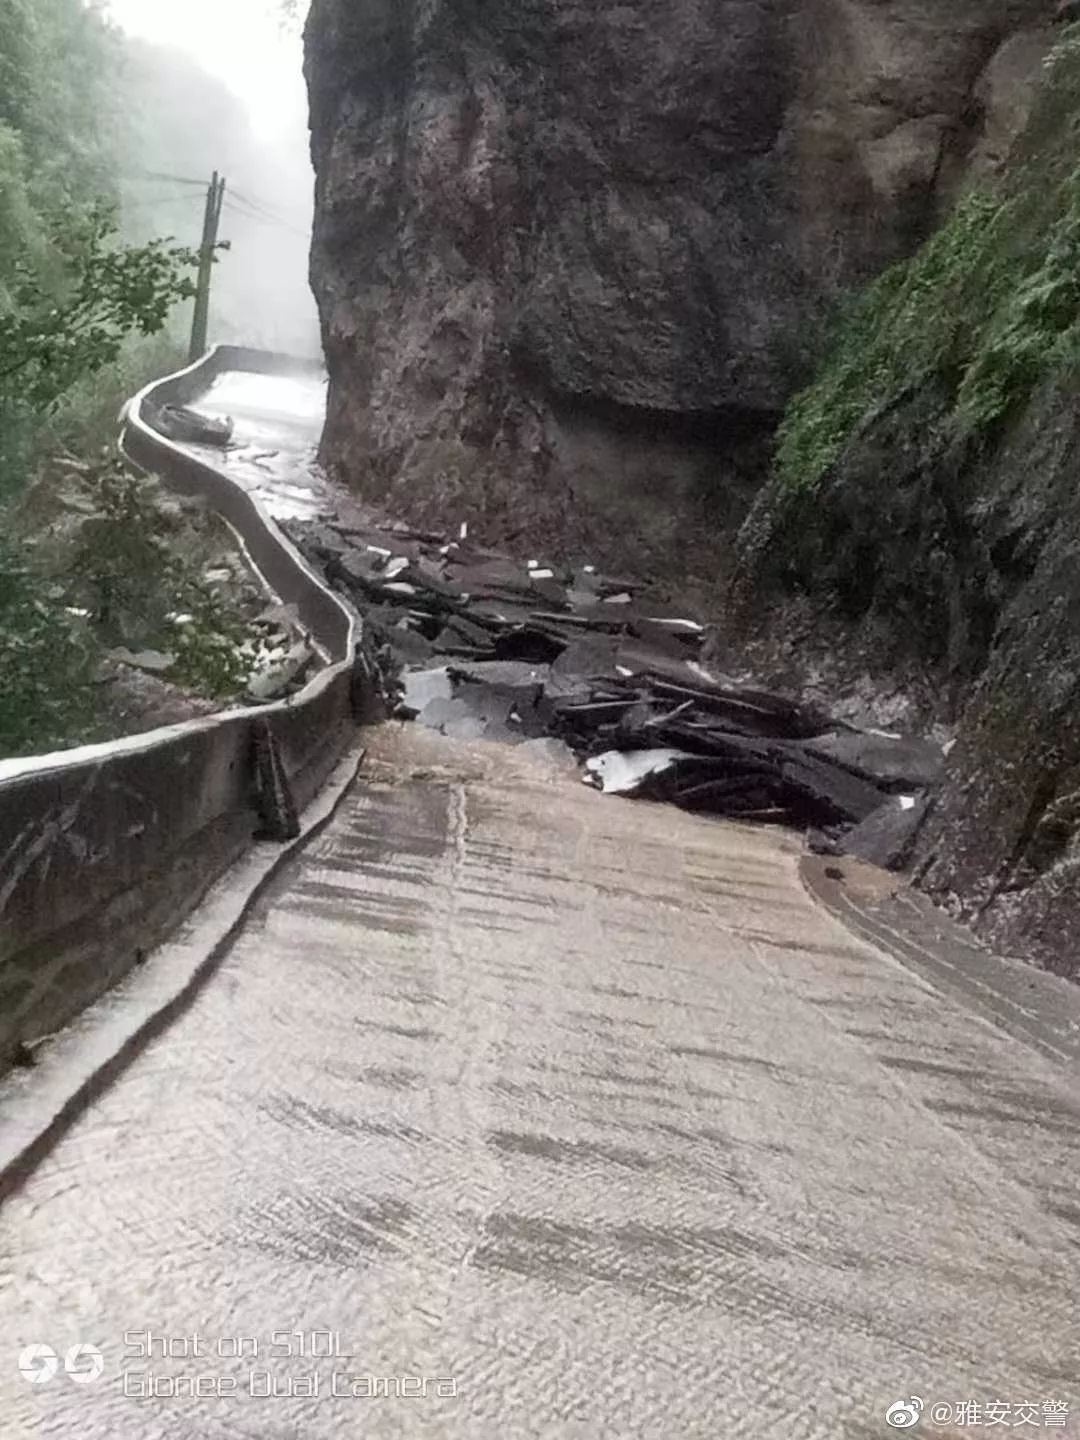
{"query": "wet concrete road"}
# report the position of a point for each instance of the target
(577, 1106)
(277, 423)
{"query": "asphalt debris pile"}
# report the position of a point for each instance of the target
(476, 645)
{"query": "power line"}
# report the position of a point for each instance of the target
(159, 200)
(266, 219)
(252, 214)
(262, 208)
(137, 186)
(256, 204)
(241, 205)
(260, 205)
(174, 179)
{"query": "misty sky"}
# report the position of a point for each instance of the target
(243, 42)
(261, 291)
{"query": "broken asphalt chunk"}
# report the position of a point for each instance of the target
(421, 687)
(894, 762)
(887, 837)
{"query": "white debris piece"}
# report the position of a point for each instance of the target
(463, 533)
(907, 802)
(280, 670)
(621, 772)
(534, 565)
(396, 566)
(624, 670)
(541, 574)
(378, 550)
(399, 587)
(623, 598)
(701, 673)
(589, 569)
(424, 686)
(690, 625)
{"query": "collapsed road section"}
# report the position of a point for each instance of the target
(474, 644)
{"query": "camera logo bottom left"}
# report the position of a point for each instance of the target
(83, 1364)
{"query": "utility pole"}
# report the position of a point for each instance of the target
(200, 324)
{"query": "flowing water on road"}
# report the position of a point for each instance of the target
(277, 422)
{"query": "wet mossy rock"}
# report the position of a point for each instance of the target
(931, 477)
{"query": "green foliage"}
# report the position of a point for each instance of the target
(121, 567)
(210, 659)
(59, 114)
(66, 326)
(978, 317)
(85, 420)
(1033, 326)
(105, 562)
(70, 294)
(132, 569)
(47, 662)
(80, 307)
(59, 63)
(18, 221)
(911, 328)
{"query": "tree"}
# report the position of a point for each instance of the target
(59, 63)
(69, 292)
(69, 318)
(47, 662)
(70, 295)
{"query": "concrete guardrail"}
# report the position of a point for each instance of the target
(106, 848)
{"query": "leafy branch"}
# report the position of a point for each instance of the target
(60, 329)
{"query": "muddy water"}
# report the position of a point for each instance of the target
(583, 1126)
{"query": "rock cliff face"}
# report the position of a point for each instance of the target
(1004, 847)
(571, 255)
(925, 489)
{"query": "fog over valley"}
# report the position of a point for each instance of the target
(220, 87)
